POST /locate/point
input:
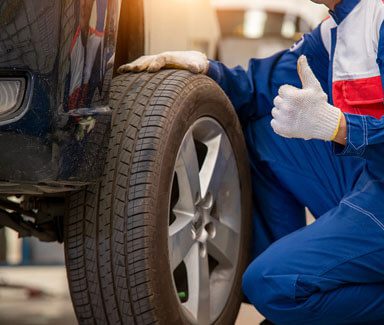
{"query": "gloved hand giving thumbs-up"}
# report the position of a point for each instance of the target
(305, 113)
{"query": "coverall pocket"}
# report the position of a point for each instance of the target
(364, 96)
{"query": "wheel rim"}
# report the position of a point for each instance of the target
(204, 221)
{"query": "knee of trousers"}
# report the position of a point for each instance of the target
(262, 125)
(272, 291)
(263, 143)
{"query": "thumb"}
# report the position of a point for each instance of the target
(307, 77)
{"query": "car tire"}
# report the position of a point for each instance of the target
(118, 242)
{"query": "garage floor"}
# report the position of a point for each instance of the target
(17, 308)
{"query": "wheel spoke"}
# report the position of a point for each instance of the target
(198, 303)
(222, 246)
(215, 165)
(180, 238)
(187, 170)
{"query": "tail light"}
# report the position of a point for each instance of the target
(11, 94)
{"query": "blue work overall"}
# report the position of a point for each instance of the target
(332, 271)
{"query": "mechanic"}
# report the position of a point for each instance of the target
(327, 89)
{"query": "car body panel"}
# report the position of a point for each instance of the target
(65, 51)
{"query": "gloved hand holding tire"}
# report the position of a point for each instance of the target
(305, 113)
(193, 61)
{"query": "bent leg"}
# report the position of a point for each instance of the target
(289, 174)
(331, 272)
(276, 211)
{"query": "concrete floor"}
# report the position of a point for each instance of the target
(17, 308)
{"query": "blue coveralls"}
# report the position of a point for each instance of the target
(331, 272)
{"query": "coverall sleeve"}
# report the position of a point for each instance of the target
(365, 134)
(252, 92)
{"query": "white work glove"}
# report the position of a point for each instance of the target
(305, 113)
(195, 62)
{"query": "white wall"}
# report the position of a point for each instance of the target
(180, 25)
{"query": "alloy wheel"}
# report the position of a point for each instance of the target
(204, 221)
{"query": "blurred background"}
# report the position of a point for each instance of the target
(231, 31)
(32, 273)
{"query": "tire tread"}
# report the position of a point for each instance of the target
(109, 225)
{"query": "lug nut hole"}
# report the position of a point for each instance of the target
(208, 201)
(211, 229)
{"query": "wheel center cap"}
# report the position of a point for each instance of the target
(201, 219)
